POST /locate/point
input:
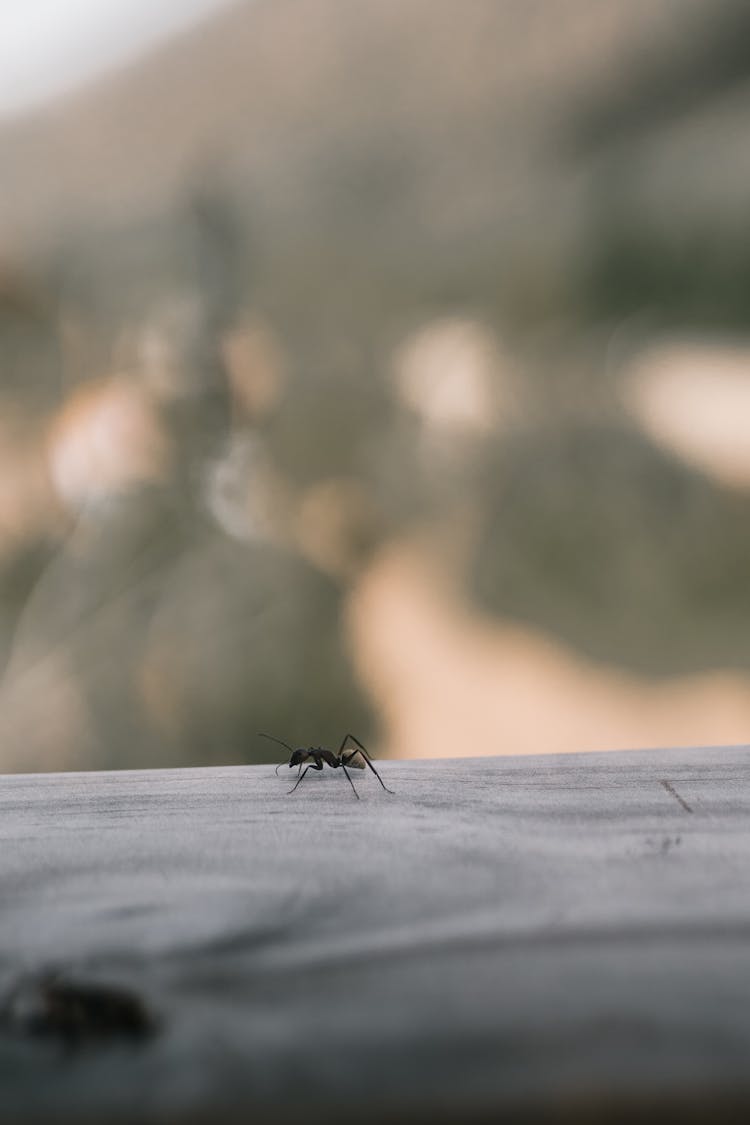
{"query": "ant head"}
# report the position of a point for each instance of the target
(297, 757)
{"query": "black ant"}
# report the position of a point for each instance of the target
(317, 755)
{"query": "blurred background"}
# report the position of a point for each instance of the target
(377, 367)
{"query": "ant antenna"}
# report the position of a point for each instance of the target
(280, 742)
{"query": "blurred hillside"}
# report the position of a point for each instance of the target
(318, 278)
(439, 135)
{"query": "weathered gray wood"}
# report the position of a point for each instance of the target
(505, 931)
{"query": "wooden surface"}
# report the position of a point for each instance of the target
(542, 933)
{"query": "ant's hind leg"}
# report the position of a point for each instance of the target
(372, 767)
(368, 760)
(350, 738)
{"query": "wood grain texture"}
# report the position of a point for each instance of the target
(534, 933)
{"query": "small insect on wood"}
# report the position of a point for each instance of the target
(318, 756)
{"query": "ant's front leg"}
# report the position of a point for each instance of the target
(316, 765)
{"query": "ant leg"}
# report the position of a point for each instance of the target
(341, 753)
(300, 775)
(349, 777)
(357, 743)
(350, 738)
(312, 766)
(368, 760)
